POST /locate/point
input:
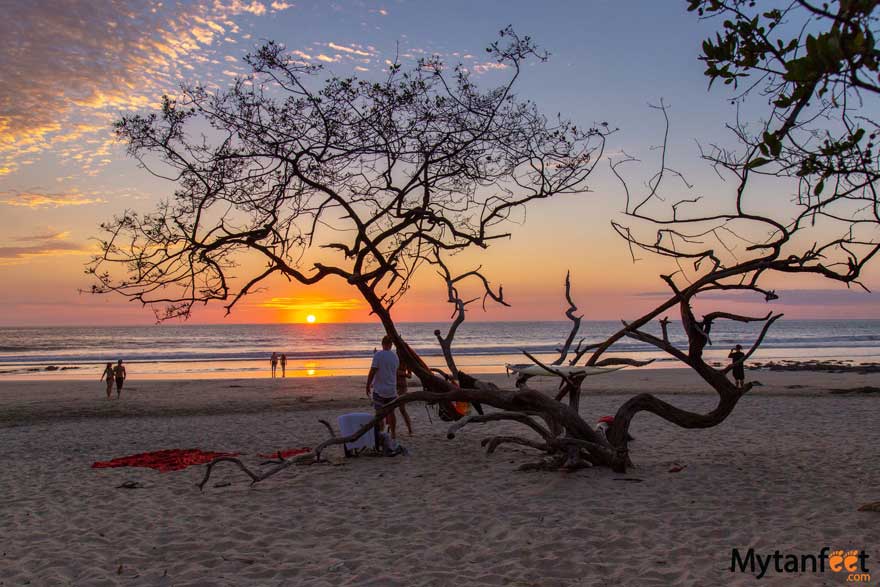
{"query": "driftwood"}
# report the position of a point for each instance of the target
(409, 187)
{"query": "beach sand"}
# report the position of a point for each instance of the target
(787, 471)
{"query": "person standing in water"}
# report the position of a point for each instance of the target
(108, 375)
(737, 361)
(119, 375)
(274, 362)
(283, 365)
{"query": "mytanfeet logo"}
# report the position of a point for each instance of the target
(850, 563)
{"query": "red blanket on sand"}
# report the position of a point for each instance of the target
(173, 459)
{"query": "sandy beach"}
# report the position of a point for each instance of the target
(787, 471)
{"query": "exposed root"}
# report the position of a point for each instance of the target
(303, 459)
(521, 417)
(493, 442)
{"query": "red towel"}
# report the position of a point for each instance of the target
(173, 459)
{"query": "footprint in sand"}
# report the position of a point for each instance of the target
(835, 560)
(851, 560)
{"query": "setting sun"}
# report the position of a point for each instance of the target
(311, 318)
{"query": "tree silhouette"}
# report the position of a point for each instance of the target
(397, 175)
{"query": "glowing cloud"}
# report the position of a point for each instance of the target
(311, 305)
(32, 199)
(351, 50)
(238, 7)
(488, 66)
(21, 249)
(70, 67)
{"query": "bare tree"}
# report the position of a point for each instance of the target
(817, 68)
(421, 167)
(381, 177)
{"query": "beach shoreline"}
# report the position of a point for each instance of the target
(27, 402)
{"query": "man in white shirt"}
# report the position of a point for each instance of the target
(383, 380)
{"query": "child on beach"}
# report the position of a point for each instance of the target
(273, 361)
(737, 358)
(108, 375)
(283, 365)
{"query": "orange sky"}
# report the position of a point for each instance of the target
(62, 173)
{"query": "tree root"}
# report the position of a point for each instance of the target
(304, 459)
(493, 442)
(521, 417)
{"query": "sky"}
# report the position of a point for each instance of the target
(70, 68)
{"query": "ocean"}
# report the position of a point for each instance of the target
(243, 350)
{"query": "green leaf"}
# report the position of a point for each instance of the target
(757, 162)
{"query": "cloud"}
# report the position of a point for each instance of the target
(488, 66)
(280, 5)
(328, 59)
(37, 200)
(70, 67)
(21, 249)
(239, 7)
(307, 304)
(787, 297)
(355, 50)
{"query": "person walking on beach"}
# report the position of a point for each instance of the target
(283, 365)
(274, 362)
(108, 375)
(382, 385)
(737, 360)
(119, 375)
(403, 373)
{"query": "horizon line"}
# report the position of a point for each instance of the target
(318, 324)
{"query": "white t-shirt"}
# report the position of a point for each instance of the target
(385, 379)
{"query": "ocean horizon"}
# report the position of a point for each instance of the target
(243, 350)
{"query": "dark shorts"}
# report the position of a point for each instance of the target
(119, 381)
(380, 401)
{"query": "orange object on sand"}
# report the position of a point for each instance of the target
(463, 408)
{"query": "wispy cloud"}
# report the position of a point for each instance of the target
(787, 297)
(70, 67)
(488, 66)
(51, 244)
(307, 304)
(239, 7)
(355, 50)
(37, 200)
